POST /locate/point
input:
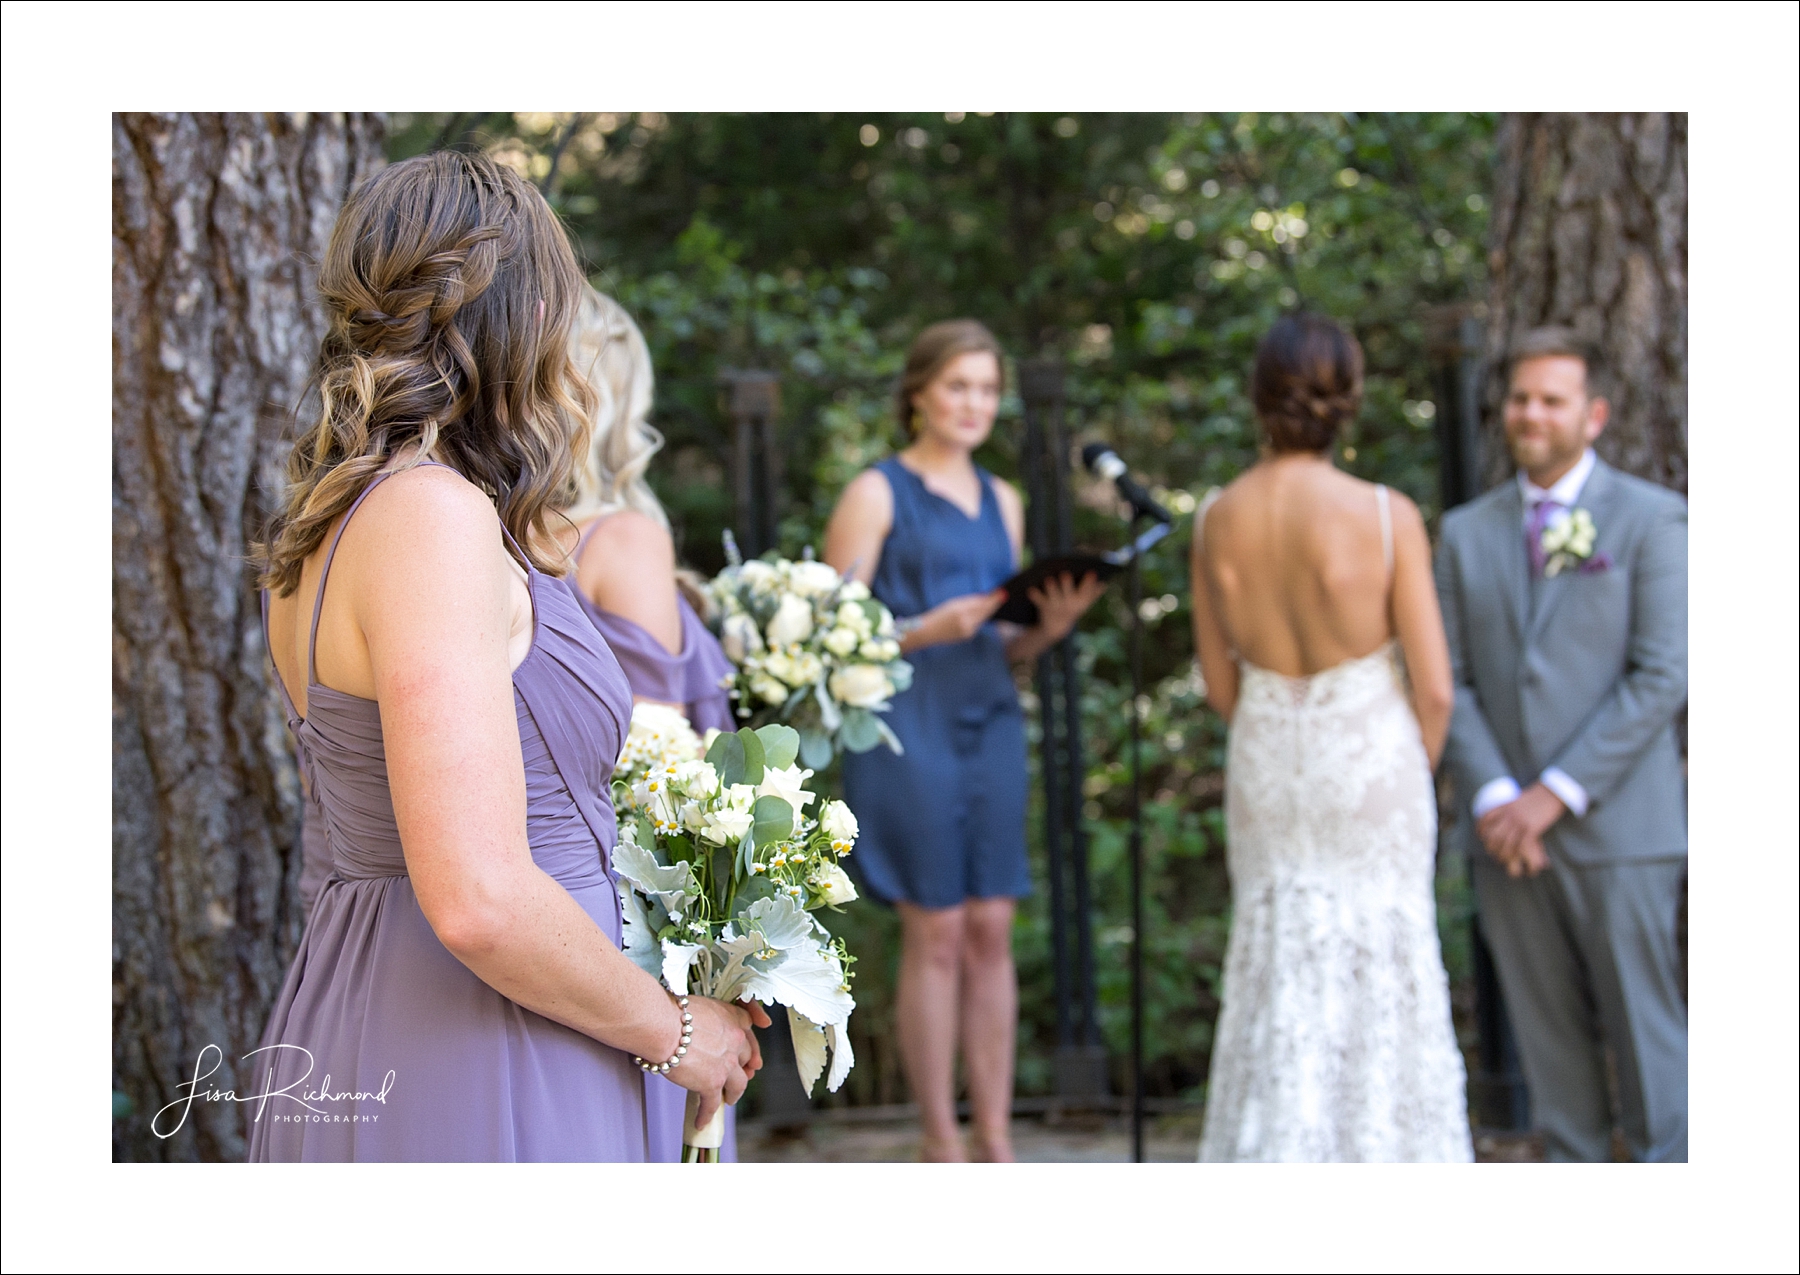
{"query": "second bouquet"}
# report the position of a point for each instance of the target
(812, 650)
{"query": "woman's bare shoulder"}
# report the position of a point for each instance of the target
(629, 542)
(1224, 502)
(869, 488)
(633, 530)
(426, 507)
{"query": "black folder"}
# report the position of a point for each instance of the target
(1020, 609)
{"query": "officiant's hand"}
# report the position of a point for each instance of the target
(1514, 833)
(1061, 602)
(723, 1054)
(954, 620)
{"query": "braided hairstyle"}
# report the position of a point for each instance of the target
(1308, 382)
(450, 289)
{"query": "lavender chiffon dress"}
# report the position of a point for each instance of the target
(382, 1045)
(692, 680)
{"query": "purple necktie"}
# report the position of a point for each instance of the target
(1541, 513)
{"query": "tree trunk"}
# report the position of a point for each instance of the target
(218, 223)
(1589, 230)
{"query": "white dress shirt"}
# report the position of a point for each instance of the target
(1497, 792)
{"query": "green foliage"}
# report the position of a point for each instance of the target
(1149, 251)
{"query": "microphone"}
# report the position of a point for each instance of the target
(1104, 462)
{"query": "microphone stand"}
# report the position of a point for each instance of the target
(1133, 592)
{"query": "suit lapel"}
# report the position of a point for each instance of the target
(1595, 498)
(1507, 545)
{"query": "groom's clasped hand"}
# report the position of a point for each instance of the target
(1514, 833)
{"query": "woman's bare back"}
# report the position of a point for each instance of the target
(1298, 567)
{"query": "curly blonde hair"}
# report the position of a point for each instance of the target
(450, 289)
(610, 354)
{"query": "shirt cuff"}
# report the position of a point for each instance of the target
(1495, 792)
(1570, 793)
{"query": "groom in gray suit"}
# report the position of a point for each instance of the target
(1565, 603)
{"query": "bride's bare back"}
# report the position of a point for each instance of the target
(1291, 574)
(1294, 560)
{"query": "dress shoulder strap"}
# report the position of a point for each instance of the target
(1206, 503)
(312, 636)
(1387, 530)
(582, 544)
(899, 488)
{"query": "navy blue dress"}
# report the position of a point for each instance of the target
(945, 821)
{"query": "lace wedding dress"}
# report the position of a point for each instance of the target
(1334, 1041)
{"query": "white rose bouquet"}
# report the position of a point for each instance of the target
(721, 869)
(812, 650)
(659, 734)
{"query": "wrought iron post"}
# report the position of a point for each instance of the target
(1080, 1059)
(753, 401)
(1497, 1089)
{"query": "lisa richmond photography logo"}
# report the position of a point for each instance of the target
(298, 1101)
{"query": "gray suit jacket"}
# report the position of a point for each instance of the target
(1585, 672)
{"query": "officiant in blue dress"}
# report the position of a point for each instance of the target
(934, 536)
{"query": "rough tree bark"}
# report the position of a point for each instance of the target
(1589, 229)
(218, 223)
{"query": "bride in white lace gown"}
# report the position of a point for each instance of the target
(1334, 1041)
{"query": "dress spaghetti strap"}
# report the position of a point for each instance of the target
(1387, 533)
(1206, 503)
(312, 637)
(582, 544)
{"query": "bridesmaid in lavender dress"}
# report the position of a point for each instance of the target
(459, 993)
(626, 581)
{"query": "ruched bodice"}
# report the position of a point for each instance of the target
(377, 1004)
(567, 681)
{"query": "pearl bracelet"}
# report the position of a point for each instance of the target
(687, 1036)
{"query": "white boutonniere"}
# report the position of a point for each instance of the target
(1568, 542)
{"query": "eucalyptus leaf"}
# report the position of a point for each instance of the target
(872, 609)
(754, 890)
(889, 738)
(900, 673)
(727, 757)
(815, 749)
(721, 875)
(753, 756)
(774, 820)
(860, 732)
(781, 744)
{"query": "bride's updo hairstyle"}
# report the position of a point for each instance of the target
(1308, 383)
(450, 289)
